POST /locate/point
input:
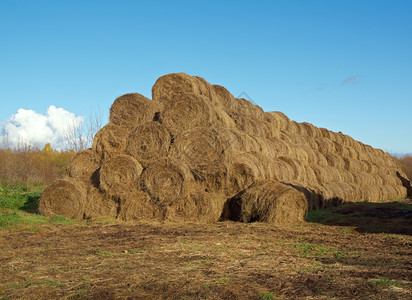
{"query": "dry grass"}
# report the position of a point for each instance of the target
(225, 260)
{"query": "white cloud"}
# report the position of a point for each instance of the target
(28, 126)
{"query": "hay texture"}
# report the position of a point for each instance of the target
(131, 110)
(148, 142)
(63, 198)
(196, 153)
(166, 181)
(120, 175)
(83, 165)
(269, 201)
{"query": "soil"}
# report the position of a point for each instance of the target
(225, 260)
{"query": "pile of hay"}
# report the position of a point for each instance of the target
(196, 153)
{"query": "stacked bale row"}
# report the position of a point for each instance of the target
(196, 153)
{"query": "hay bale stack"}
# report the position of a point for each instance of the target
(196, 153)
(64, 197)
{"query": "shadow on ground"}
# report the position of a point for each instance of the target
(387, 217)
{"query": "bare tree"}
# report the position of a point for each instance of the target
(80, 136)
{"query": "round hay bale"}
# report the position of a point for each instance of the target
(355, 166)
(281, 170)
(335, 160)
(315, 157)
(206, 90)
(198, 206)
(166, 180)
(120, 175)
(278, 118)
(223, 119)
(341, 149)
(364, 179)
(168, 87)
(347, 176)
(82, 166)
(245, 169)
(131, 110)
(249, 125)
(63, 197)
(99, 205)
(372, 193)
(326, 174)
(337, 191)
(148, 142)
(203, 152)
(325, 133)
(137, 206)
(109, 141)
(249, 109)
(272, 202)
(187, 111)
(311, 130)
(294, 127)
(224, 97)
(325, 145)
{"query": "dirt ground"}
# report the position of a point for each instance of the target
(226, 260)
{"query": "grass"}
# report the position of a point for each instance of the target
(19, 206)
(268, 296)
(383, 282)
(24, 198)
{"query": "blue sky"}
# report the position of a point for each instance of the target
(343, 65)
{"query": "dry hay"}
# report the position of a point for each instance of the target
(310, 130)
(224, 98)
(249, 109)
(198, 206)
(196, 153)
(356, 166)
(279, 119)
(203, 151)
(109, 141)
(131, 110)
(187, 111)
(335, 160)
(64, 197)
(325, 174)
(272, 202)
(120, 175)
(137, 206)
(148, 142)
(325, 145)
(82, 166)
(168, 87)
(166, 181)
(246, 168)
(250, 125)
(100, 205)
